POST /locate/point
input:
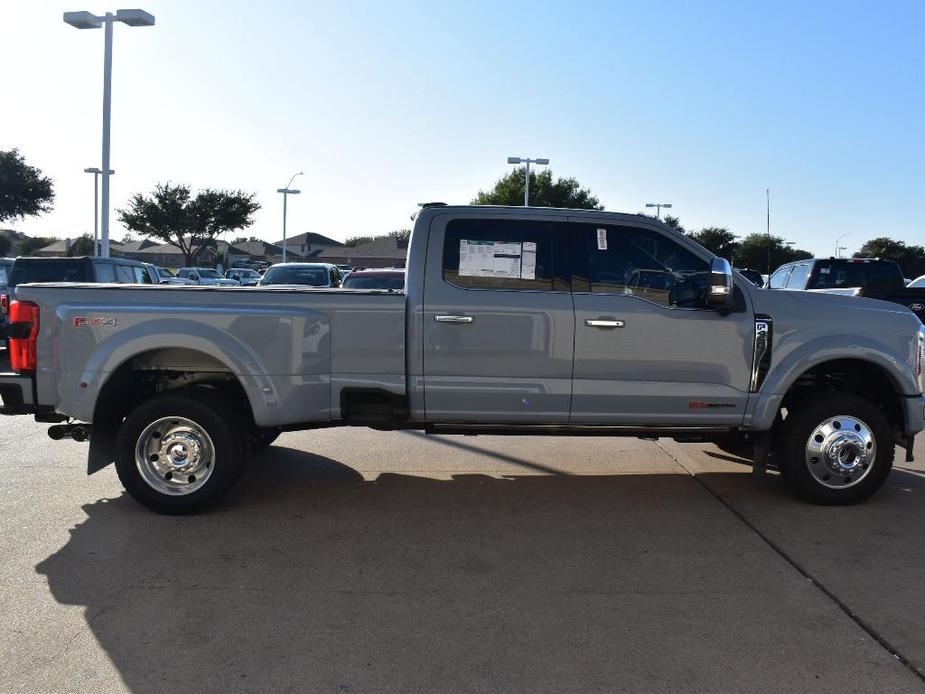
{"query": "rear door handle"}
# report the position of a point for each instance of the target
(453, 319)
(602, 323)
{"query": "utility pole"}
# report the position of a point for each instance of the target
(768, 193)
(658, 207)
(527, 161)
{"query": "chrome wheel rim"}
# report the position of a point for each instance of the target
(840, 452)
(175, 456)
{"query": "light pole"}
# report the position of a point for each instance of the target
(838, 248)
(96, 205)
(527, 161)
(658, 207)
(287, 191)
(88, 20)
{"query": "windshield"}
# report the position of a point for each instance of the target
(918, 283)
(248, 273)
(375, 282)
(875, 274)
(312, 276)
(164, 271)
(210, 273)
(2, 275)
(49, 270)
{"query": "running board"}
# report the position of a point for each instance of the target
(650, 432)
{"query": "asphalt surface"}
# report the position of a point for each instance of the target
(349, 560)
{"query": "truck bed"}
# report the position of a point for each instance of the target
(293, 350)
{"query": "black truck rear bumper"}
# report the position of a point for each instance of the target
(17, 394)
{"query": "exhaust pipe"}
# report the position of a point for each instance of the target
(78, 432)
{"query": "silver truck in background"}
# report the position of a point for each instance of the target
(513, 321)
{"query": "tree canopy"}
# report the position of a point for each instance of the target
(173, 215)
(33, 243)
(82, 245)
(910, 258)
(6, 243)
(752, 253)
(24, 191)
(718, 240)
(544, 191)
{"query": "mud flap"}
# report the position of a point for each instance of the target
(102, 446)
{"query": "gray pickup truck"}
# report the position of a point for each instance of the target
(513, 321)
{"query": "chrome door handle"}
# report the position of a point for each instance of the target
(601, 323)
(453, 319)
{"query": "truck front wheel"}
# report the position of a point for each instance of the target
(835, 449)
(179, 452)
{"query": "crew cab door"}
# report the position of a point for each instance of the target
(645, 351)
(498, 320)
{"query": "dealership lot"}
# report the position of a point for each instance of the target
(353, 560)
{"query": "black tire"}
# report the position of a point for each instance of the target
(264, 437)
(793, 439)
(206, 410)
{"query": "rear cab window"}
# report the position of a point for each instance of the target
(798, 276)
(50, 270)
(837, 273)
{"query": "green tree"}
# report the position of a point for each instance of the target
(244, 239)
(672, 222)
(82, 245)
(544, 192)
(753, 253)
(24, 191)
(33, 243)
(911, 259)
(192, 224)
(354, 241)
(717, 240)
(400, 234)
(6, 243)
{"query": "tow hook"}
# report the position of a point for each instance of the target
(78, 432)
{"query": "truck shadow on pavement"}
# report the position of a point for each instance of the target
(312, 579)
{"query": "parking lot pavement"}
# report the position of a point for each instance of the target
(350, 560)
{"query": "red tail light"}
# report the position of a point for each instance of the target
(24, 332)
(4, 304)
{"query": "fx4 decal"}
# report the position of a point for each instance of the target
(96, 322)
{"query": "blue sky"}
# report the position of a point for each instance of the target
(385, 105)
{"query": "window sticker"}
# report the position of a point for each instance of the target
(497, 259)
(602, 239)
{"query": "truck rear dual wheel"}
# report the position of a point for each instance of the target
(180, 453)
(835, 449)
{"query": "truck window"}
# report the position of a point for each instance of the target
(836, 273)
(124, 274)
(104, 272)
(797, 279)
(779, 278)
(628, 260)
(50, 270)
(142, 276)
(501, 254)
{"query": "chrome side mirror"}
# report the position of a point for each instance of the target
(719, 289)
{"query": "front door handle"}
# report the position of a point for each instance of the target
(453, 319)
(604, 323)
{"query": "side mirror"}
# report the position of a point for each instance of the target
(719, 289)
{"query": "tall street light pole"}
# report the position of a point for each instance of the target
(88, 20)
(527, 161)
(658, 207)
(838, 248)
(287, 191)
(96, 205)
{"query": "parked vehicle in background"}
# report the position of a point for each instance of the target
(392, 279)
(27, 270)
(871, 278)
(753, 276)
(164, 276)
(246, 277)
(206, 277)
(918, 283)
(514, 320)
(302, 274)
(5, 265)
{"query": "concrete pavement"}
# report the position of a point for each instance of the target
(351, 561)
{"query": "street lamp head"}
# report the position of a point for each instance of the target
(288, 191)
(83, 20)
(651, 204)
(667, 205)
(514, 160)
(135, 18)
(93, 170)
(544, 162)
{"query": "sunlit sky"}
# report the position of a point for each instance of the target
(388, 104)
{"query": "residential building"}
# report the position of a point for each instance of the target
(384, 251)
(308, 244)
